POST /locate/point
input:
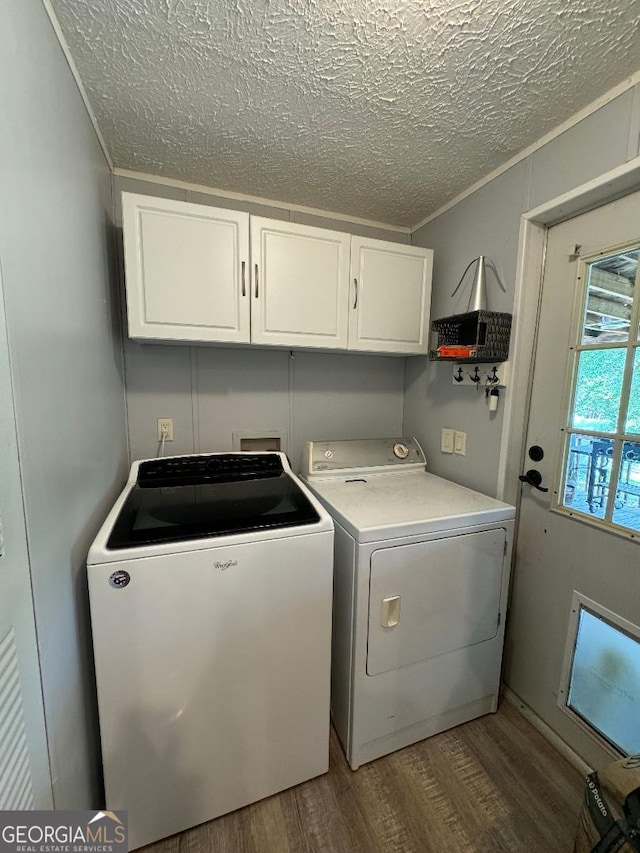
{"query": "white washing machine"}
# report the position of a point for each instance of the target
(421, 576)
(210, 585)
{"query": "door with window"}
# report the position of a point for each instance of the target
(573, 653)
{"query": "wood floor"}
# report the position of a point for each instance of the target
(492, 785)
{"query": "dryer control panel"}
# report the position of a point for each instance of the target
(359, 455)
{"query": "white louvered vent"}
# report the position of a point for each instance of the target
(16, 789)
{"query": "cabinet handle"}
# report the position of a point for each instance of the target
(244, 279)
(256, 270)
(355, 301)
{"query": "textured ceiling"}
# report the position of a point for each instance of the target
(382, 109)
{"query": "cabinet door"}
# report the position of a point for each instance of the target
(300, 279)
(391, 295)
(186, 268)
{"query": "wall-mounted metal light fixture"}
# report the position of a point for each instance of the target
(478, 295)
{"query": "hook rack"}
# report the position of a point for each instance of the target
(485, 376)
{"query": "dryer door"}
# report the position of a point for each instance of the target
(433, 597)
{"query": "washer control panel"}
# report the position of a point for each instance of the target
(368, 454)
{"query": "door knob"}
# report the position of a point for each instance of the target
(533, 478)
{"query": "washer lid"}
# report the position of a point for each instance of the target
(373, 507)
(180, 499)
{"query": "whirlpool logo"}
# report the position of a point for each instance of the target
(223, 566)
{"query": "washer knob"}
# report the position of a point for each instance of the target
(401, 451)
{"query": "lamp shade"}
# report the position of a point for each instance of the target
(478, 297)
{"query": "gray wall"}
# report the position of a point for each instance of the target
(212, 392)
(487, 222)
(55, 234)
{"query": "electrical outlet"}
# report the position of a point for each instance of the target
(460, 443)
(165, 429)
(446, 442)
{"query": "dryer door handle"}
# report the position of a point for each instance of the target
(390, 611)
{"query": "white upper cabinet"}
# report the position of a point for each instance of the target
(390, 297)
(300, 280)
(199, 274)
(187, 270)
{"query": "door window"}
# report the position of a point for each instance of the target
(601, 456)
(601, 674)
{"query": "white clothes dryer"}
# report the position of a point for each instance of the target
(421, 575)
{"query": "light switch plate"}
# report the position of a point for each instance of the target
(446, 442)
(460, 443)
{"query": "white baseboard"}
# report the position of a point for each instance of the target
(546, 731)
